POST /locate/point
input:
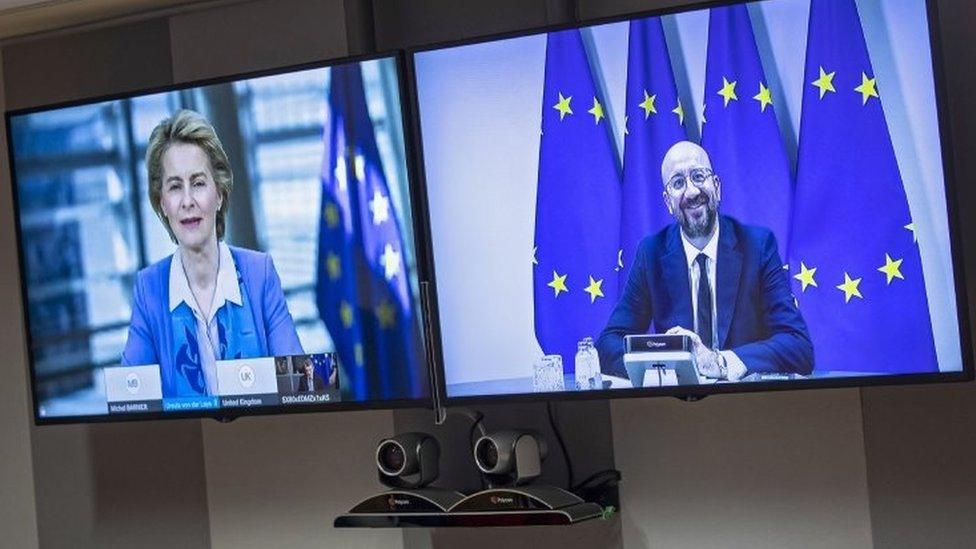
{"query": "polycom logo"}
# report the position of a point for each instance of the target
(656, 344)
(394, 502)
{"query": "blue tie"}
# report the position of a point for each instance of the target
(704, 302)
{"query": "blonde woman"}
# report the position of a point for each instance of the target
(207, 301)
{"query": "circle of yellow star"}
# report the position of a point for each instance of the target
(358, 353)
(334, 266)
(648, 105)
(825, 83)
(345, 313)
(728, 91)
(764, 97)
(892, 268)
(385, 314)
(331, 215)
(379, 205)
(596, 111)
(339, 174)
(360, 164)
(558, 283)
(849, 287)
(806, 276)
(390, 260)
(563, 106)
(911, 227)
(595, 289)
(867, 89)
(680, 111)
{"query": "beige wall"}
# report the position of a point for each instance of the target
(750, 470)
(280, 481)
(134, 484)
(921, 446)
(17, 518)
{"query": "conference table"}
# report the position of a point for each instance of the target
(653, 378)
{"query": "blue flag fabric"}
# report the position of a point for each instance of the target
(740, 132)
(322, 365)
(577, 225)
(363, 290)
(655, 121)
(856, 268)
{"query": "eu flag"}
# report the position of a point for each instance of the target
(740, 131)
(363, 290)
(577, 224)
(855, 264)
(655, 121)
(322, 364)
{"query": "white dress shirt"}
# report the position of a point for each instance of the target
(227, 290)
(694, 276)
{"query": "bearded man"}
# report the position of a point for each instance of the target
(712, 278)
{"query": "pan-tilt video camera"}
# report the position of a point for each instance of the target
(510, 457)
(408, 460)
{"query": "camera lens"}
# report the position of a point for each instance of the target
(391, 458)
(487, 454)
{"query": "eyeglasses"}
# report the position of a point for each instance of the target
(697, 176)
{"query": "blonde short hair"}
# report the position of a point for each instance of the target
(188, 127)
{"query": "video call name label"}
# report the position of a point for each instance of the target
(310, 398)
(135, 407)
(248, 401)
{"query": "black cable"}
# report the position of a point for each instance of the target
(562, 445)
(608, 478)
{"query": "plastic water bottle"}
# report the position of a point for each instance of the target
(587, 366)
(596, 379)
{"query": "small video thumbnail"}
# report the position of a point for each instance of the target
(314, 374)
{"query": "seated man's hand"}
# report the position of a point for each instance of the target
(706, 360)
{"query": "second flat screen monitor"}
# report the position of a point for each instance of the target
(748, 193)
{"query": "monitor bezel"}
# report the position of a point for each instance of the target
(219, 414)
(426, 269)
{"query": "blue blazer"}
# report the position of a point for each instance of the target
(757, 316)
(150, 338)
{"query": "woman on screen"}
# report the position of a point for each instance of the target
(207, 301)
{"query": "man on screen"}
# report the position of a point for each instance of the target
(712, 278)
(310, 381)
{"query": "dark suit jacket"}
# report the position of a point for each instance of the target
(757, 316)
(317, 382)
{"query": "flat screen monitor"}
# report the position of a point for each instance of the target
(221, 248)
(734, 197)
